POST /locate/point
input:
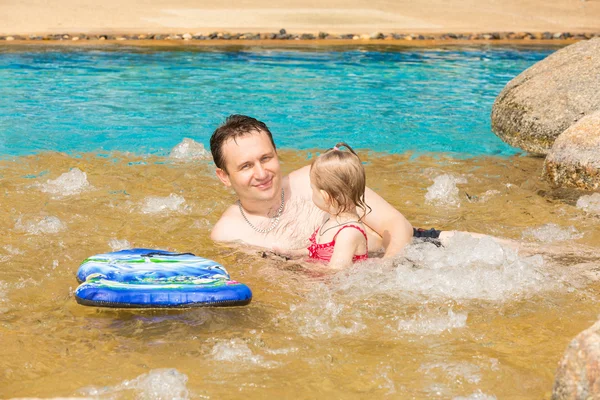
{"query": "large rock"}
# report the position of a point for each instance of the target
(574, 159)
(578, 374)
(544, 100)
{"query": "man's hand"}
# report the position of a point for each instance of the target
(290, 253)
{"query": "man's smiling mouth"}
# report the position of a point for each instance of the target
(265, 185)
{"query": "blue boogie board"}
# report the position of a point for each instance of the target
(147, 278)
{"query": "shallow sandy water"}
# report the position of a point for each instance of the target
(474, 319)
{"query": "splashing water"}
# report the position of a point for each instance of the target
(158, 384)
(478, 395)
(465, 268)
(424, 324)
(116, 244)
(323, 314)
(70, 183)
(3, 297)
(551, 233)
(462, 370)
(445, 374)
(237, 351)
(189, 150)
(469, 268)
(10, 252)
(590, 203)
(3, 291)
(444, 191)
(489, 194)
(37, 226)
(171, 203)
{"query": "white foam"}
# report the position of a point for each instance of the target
(444, 191)
(189, 150)
(466, 268)
(590, 203)
(11, 252)
(494, 364)
(72, 182)
(477, 395)
(456, 371)
(323, 314)
(4, 297)
(171, 203)
(3, 291)
(424, 324)
(552, 233)
(201, 224)
(469, 268)
(283, 351)
(56, 398)
(486, 196)
(26, 282)
(158, 384)
(236, 350)
(388, 383)
(37, 226)
(116, 244)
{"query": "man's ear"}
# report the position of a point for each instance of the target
(223, 177)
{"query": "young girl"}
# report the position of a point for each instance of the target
(337, 179)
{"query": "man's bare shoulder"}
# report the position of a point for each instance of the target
(299, 181)
(227, 227)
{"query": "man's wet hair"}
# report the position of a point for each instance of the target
(235, 126)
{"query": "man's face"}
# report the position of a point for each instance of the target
(252, 165)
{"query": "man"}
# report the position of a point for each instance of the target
(276, 211)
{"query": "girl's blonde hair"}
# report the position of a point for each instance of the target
(342, 175)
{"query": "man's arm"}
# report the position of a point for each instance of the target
(389, 223)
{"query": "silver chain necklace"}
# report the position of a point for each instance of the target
(275, 219)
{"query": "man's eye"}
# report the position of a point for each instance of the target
(266, 158)
(245, 166)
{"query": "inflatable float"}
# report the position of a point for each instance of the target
(148, 278)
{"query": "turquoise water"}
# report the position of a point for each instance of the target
(146, 101)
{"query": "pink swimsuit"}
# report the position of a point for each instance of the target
(324, 251)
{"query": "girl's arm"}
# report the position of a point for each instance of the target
(347, 243)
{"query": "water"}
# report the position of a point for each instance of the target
(146, 101)
(477, 319)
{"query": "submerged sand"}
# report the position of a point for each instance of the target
(332, 16)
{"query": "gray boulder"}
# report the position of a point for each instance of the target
(544, 100)
(574, 159)
(578, 374)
